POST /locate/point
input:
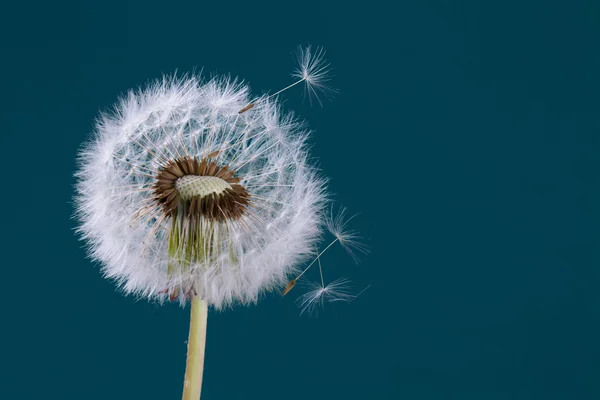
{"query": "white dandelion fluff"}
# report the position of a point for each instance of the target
(180, 194)
(314, 70)
(318, 294)
(184, 194)
(337, 224)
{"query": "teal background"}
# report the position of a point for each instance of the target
(465, 134)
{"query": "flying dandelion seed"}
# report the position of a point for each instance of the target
(337, 224)
(315, 71)
(319, 294)
(190, 191)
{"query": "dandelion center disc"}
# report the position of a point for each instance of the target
(190, 186)
(200, 189)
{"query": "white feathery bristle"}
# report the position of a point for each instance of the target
(317, 295)
(315, 71)
(350, 240)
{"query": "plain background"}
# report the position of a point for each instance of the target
(465, 134)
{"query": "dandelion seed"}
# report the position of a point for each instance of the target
(337, 224)
(317, 295)
(350, 241)
(315, 71)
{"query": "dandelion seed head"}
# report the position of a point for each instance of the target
(178, 194)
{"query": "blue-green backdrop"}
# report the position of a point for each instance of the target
(466, 134)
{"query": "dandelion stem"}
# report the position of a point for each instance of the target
(192, 384)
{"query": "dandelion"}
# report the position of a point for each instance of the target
(183, 196)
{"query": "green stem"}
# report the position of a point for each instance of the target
(192, 384)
